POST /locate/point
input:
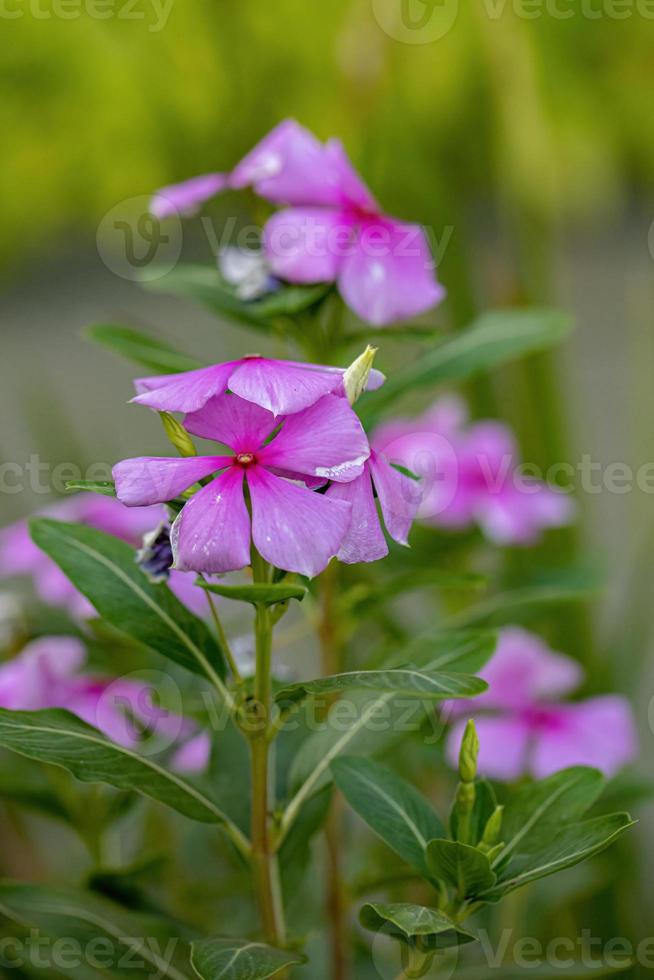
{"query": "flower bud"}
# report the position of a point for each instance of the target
(355, 379)
(469, 754)
(493, 828)
(178, 435)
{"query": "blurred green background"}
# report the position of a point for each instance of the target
(521, 135)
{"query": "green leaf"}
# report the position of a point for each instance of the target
(104, 570)
(107, 488)
(375, 723)
(132, 943)
(150, 352)
(203, 284)
(239, 959)
(537, 811)
(569, 847)
(415, 925)
(409, 682)
(257, 593)
(62, 739)
(485, 804)
(465, 651)
(495, 338)
(392, 807)
(463, 867)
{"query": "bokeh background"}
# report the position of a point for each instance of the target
(522, 136)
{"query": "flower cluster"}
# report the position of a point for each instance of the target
(522, 726)
(333, 230)
(48, 674)
(297, 481)
(469, 475)
(20, 556)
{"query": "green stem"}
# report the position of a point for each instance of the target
(264, 860)
(223, 640)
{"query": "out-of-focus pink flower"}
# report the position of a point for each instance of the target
(292, 527)
(281, 387)
(522, 726)
(333, 231)
(470, 475)
(399, 499)
(47, 674)
(20, 556)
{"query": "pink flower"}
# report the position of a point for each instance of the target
(334, 230)
(522, 727)
(399, 499)
(46, 674)
(20, 556)
(282, 387)
(470, 475)
(292, 527)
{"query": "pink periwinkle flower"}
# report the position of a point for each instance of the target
(399, 499)
(292, 527)
(523, 727)
(333, 231)
(20, 556)
(47, 674)
(470, 475)
(281, 387)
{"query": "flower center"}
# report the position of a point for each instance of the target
(245, 459)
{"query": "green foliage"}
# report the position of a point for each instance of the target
(239, 959)
(61, 739)
(415, 925)
(125, 943)
(202, 284)
(493, 339)
(257, 593)
(403, 682)
(104, 570)
(461, 866)
(150, 352)
(393, 808)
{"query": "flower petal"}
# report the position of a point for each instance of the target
(523, 673)
(503, 746)
(364, 540)
(326, 440)
(187, 197)
(293, 528)
(390, 275)
(399, 497)
(308, 245)
(154, 480)
(212, 532)
(233, 421)
(185, 392)
(283, 387)
(291, 166)
(194, 755)
(600, 732)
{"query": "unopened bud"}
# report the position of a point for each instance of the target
(469, 754)
(493, 828)
(355, 379)
(178, 435)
